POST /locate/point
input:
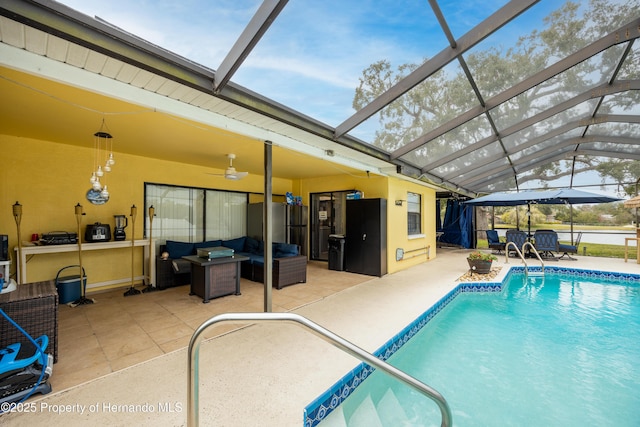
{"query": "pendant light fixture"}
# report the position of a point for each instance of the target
(103, 161)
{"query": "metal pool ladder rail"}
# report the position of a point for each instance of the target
(325, 334)
(526, 267)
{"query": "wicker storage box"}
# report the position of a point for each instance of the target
(34, 307)
(286, 271)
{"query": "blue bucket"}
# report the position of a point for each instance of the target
(69, 287)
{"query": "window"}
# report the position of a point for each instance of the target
(226, 215)
(414, 213)
(195, 214)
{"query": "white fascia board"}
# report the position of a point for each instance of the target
(38, 65)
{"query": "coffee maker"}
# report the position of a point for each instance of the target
(121, 223)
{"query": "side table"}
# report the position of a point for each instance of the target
(33, 306)
(626, 248)
(216, 277)
(164, 273)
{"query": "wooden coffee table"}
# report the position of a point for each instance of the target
(216, 277)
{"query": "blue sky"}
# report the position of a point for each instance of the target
(310, 59)
(314, 53)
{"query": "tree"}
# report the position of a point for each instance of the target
(446, 95)
(511, 217)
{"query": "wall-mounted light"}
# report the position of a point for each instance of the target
(400, 202)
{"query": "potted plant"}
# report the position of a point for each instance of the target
(480, 262)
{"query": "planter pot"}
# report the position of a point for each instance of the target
(479, 266)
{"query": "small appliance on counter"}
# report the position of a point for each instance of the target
(97, 232)
(59, 238)
(121, 223)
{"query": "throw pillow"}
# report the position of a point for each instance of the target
(251, 245)
(285, 250)
(179, 249)
(236, 244)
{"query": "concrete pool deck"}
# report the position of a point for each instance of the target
(265, 374)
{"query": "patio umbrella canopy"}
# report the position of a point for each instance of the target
(568, 196)
(548, 197)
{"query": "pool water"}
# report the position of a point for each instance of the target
(554, 351)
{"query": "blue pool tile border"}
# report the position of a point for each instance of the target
(323, 405)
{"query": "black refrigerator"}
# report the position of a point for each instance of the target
(366, 237)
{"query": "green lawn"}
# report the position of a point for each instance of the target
(592, 249)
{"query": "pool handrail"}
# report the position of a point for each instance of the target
(526, 266)
(535, 251)
(506, 253)
(323, 333)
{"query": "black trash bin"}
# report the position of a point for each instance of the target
(336, 252)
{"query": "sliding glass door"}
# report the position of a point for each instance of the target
(191, 214)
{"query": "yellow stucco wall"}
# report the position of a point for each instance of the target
(417, 250)
(48, 179)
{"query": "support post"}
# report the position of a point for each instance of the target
(267, 231)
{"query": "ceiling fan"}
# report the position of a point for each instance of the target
(230, 172)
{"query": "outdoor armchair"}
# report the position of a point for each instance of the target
(494, 241)
(570, 249)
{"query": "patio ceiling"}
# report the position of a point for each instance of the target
(549, 121)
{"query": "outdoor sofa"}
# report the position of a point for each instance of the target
(289, 267)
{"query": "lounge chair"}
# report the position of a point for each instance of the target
(570, 249)
(494, 241)
(519, 238)
(546, 243)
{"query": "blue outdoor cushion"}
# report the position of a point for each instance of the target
(257, 260)
(251, 245)
(282, 250)
(236, 244)
(179, 249)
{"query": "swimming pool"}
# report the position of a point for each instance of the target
(558, 351)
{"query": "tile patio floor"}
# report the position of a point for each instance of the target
(132, 350)
(117, 332)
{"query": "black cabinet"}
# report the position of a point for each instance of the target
(366, 237)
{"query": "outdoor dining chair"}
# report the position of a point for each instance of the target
(546, 243)
(519, 238)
